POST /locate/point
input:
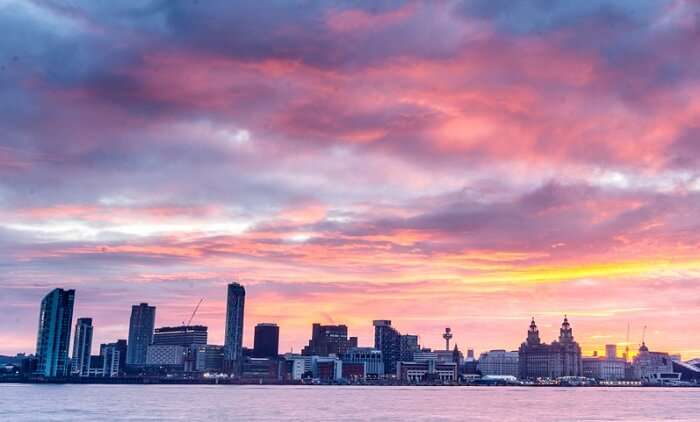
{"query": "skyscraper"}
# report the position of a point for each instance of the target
(233, 343)
(395, 347)
(143, 319)
(82, 346)
(53, 336)
(266, 342)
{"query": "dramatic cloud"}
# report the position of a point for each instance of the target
(435, 163)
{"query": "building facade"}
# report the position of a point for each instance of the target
(266, 341)
(167, 356)
(395, 347)
(648, 366)
(114, 358)
(82, 347)
(233, 342)
(370, 358)
(209, 358)
(53, 336)
(426, 371)
(498, 362)
(184, 335)
(141, 324)
(561, 358)
(329, 339)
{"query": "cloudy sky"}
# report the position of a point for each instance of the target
(466, 164)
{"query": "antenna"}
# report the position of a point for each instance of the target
(196, 308)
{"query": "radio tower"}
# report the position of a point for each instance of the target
(447, 336)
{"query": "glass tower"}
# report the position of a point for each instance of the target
(82, 347)
(233, 343)
(143, 319)
(53, 336)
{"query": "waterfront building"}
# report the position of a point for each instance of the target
(498, 363)
(327, 368)
(266, 341)
(294, 366)
(141, 324)
(653, 367)
(96, 368)
(426, 371)
(209, 358)
(368, 358)
(53, 336)
(604, 368)
(394, 346)
(233, 342)
(183, 335)
(82, 347)
(559, 359)
(169, 357)
(114, 358)
(329, 339)
(260, 368)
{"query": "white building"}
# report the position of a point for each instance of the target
(498, 362)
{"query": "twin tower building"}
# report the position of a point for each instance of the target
(54, 333)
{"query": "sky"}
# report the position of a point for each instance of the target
(463, 164)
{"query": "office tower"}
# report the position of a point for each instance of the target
(184, 335)
(53, 337)
(395, 347)
(143, 318)
(114, 358)
(327, 339)
(82, 346)
(266, 342)
(233, 342)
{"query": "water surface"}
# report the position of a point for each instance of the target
(30, 402)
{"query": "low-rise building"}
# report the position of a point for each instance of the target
(604, 368)
(498, 362)
(370, 358)
(426, 371)
(166, 356)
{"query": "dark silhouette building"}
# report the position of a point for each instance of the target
(184, 335)
(266, 342)
(558, 359)
(233, 342)
(327, 339)
(114, 358)
(395, 347)
(82, 347)
(141, 324)
(53, 336)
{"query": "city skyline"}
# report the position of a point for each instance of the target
(468, 164)
(143, 326)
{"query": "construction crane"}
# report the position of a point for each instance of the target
(627, 343)
(196, 308)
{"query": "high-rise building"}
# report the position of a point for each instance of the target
(184, 335)
(82, 346)
(329, 339)
(559, 359)
(395, 347)
(141, 324)
(53, 337)
(114, 358)
(266, 342)
(233, 342)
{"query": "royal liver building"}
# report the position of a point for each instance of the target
(559, 359)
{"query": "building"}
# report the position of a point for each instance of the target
(233, 343)
(209, 358)
(266, 341)
(82, 347)
(327, 368)
(329, 339)
(53, 336)
(294, 366)
(368, 358)
(166, 356)
(426, 371)
(260, 368)
(394, 346)
(559, 359)
(653, 367)
(183, 335)
(114, 358)
(498, 362)
(141, 324)
(96, 368)
(604, 368)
